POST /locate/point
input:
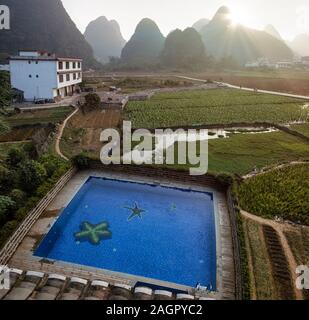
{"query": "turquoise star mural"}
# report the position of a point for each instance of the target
(93, 233)
(136, 211)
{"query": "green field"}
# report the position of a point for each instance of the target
(241, 153)
(219, 106)
(280, 193)
(54, 115)
(301, 128)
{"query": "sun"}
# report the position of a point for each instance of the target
(239, 16)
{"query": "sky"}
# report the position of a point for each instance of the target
(289, 17)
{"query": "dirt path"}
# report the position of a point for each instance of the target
(279, 227)
(267, 170)
(250, 89)
(60, 133)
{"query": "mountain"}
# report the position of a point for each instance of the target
(224, 40)
(200, 24)
(301, 44)
(145, 45)
(44, 25)
(270, 29)
(183, 49)
(105, 38)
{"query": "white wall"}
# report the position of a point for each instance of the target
(34, 88)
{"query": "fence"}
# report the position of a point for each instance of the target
(19, 234)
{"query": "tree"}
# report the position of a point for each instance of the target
(31, 175)
(15, 156)
(92, 102)
(7, 179)
(6, 203)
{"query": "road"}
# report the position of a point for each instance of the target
(250, 89)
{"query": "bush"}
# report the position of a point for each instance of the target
(52, 163)
(15, 156)
(81, 161)
(7, 230)
(31, 175)
(7, 179)
(18, 196)
(6, 203)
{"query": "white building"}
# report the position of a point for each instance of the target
(41, 75)
(4, 67)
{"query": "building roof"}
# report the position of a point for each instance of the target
(43, 56)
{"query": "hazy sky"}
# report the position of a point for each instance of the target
(290, 17)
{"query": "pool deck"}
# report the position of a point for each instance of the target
(23, 257)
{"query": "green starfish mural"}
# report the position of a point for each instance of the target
(93, 233)
(136, 211)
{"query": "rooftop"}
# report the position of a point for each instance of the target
(41, 56)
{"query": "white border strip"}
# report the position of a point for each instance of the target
(57, 277)
(35, 274)
(163, 293)
(79, 280)
(143, 290)
(100, 283)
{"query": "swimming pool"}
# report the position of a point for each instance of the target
(145, 230)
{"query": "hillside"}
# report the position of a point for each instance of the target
(105, 38)
(145, 45)
(183, 49)
(44, 25)
(200, 24)
(270, 29)
(301, 44)
(223, 39)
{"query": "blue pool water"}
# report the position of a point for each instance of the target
(170, 236)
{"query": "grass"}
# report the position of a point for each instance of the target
(262, 284)
(206, 107)
(280, 193)
(54, 115)
(301, 128)
(241, 153)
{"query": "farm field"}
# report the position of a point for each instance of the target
(262, 286)
(301, 128)
(296, 82)
(39, 116)
(208, 107)
(82, 133)
(280, 193)
(242, 153)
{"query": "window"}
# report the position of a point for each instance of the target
(37, 62)
(60, 65)
(68, 77)
(37, 75)
(30, 76)
(74, 76)
(67, 65)
(61, 78)
(74, 65)
(79, 75)
(79, 65)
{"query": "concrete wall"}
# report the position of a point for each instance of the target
(36, 78)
